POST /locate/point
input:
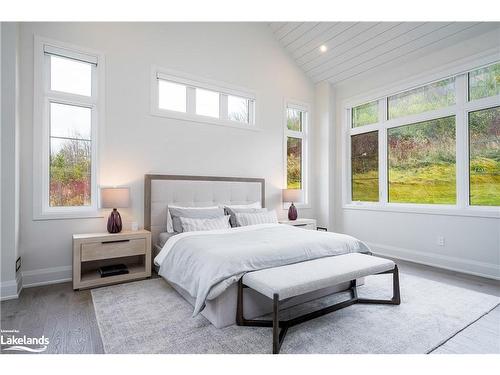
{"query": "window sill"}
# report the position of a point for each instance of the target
(198, 119)
(54, 215)
(445, 210)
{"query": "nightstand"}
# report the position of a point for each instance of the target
(91, 251)
(302, 223)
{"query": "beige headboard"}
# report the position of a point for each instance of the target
(200, 191)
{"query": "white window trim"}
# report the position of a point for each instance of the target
(461, 110)
(41, 98)
(192, 82)
(304, 135)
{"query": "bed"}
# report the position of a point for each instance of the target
(179, 271)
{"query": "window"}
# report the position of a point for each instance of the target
(365, 114)
(181, 96)
(67, 88)
(422, 162)
(296, 147)
(434, 147)
(207, 103)
(484, 82)
(238, 109)
(364, 167)
(484, 153)
(172, 96)
(427, 98)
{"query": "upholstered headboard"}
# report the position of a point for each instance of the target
(200, 191)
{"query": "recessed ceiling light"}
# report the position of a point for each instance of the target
(323, 48)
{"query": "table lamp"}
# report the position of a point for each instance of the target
(116, 197)
(292, 195)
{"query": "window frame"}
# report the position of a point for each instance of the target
(43, 96)
(304, 136)
(460, 110)
(192, 82)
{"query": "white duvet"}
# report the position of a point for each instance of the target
(206, 263)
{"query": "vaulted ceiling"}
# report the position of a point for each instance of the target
(356, 48)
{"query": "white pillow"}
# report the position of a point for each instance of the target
(170, 225)
(250, 205)
(253, 218)
(194, 225)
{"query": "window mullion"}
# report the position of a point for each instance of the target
(223, 107)
(190, 100)
(462, 149)
(383, 177)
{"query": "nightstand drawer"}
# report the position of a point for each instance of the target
(112, 249)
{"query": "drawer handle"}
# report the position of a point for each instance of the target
(300, 225)
(105, 242)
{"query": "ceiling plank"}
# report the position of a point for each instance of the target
(298, 32)
(285, 30)
(383, 40)
(310, 35)
(314, 44)
(440, 36)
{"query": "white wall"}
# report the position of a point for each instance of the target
(472, 243)
(136, 143)
(9, 284)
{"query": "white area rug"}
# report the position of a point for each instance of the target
(150, 317)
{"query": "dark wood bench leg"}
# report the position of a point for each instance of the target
(396, 298)
(276, 324)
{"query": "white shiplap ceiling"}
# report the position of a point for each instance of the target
(356, 48)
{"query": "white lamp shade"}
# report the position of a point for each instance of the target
(292, 195)
(118, 197)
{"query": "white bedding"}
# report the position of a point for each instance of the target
(206, 263)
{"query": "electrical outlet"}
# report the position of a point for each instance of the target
(440, 240)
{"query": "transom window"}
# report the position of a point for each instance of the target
(179, 96)
(409, 148)
(296, 124)
(65, 133)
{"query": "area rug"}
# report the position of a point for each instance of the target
(150, 317)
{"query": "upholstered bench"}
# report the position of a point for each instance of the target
(280, 283)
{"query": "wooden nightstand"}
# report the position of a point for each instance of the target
(302, 223)
(91, 251)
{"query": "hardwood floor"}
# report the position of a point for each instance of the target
(67, 318)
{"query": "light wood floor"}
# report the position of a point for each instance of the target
(67, 318)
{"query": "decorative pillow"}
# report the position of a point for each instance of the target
(176, 212)
(249, 205)
(193, 225)
(245, 219)
(232, 211)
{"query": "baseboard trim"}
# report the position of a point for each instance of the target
(471, 267)
(11, 289)
(47, 276)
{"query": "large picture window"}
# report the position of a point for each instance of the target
(484, 151)
(422, 162)
(67, 103)
(431, 146)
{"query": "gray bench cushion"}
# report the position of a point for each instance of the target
(304, 277)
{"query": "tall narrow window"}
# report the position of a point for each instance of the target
(421, 159)
(484, 164)
(295, 156)
(364, 167)
(66, 114)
